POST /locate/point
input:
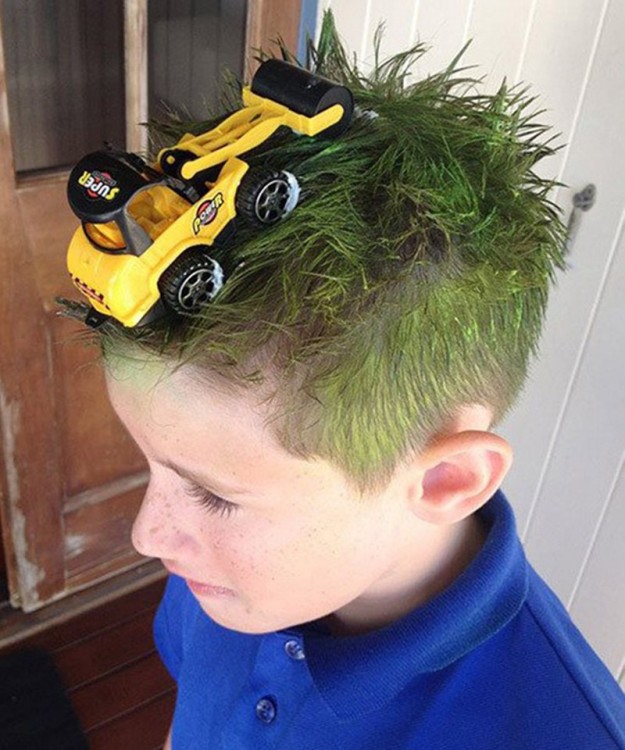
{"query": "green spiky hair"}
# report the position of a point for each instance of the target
(411, 279)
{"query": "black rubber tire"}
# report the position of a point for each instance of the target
(265, 196)
(191, 281)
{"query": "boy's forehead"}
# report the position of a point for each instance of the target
(153, 379)
(181, 419)
(135, 371)
(173, 406)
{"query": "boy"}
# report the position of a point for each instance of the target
(345, 572)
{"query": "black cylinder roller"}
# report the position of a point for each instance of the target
(303, 92)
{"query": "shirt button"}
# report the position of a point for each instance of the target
(266, 709)
(295, 650)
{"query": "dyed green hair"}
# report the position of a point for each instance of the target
(411, 279)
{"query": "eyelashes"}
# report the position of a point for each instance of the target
(211, 502)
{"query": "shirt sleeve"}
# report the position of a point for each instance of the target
(168, 626)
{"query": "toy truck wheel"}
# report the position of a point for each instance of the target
(265, 196)
(191, 281)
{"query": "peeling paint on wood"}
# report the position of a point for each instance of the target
(9, 424)
(29, 574)
(75, 544)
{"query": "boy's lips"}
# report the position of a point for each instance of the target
(199, 588)
(204, 589)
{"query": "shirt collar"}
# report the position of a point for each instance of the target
(354, 673)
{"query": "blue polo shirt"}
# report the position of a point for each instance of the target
(493, 662)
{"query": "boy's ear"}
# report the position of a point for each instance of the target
(457, 474)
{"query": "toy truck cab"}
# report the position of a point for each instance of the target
(101, 188)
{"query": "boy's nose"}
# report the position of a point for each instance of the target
(154, 531)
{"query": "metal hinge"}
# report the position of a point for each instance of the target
(584, 200)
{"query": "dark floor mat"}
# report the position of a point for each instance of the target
(35, 712)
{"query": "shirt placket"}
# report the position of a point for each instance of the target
(276, 692)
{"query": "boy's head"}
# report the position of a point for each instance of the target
(266, 539)
(363, 347)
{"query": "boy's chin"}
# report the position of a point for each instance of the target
(243, 620)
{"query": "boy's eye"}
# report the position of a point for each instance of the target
(213, 503)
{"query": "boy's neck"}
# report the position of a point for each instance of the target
(456, 549)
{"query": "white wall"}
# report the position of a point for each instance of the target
(568, 482)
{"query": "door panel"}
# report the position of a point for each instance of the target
(32, 508)
(97, 535)
(96, 459)
(70, 477)
(189, 45)
(93, 447)
(65, 78)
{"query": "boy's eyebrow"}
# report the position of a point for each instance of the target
(203, 481)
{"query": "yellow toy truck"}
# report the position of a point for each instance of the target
(155, 238)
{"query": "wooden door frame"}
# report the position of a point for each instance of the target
(27, 419)
(32, 480)
(136, 73)
(268, 20)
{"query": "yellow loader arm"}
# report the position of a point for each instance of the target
(280, 94)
